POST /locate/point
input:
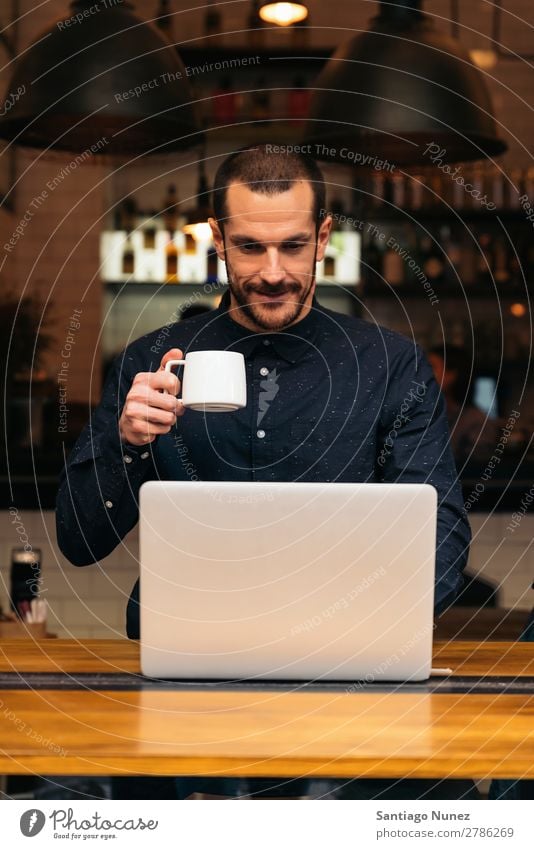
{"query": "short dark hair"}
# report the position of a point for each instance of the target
(269, 170)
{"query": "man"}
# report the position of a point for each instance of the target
(473, 433)
(330, 397)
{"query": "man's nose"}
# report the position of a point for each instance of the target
(272, 270)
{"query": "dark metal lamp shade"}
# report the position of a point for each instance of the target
(392, 91)
(101, 79)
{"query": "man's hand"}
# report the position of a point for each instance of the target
(151, 407)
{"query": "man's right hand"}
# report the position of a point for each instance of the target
(151, 407)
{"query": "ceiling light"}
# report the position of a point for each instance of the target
(283, 14)
(402, 86)
(101, 78)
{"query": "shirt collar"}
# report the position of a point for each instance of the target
(291, 344)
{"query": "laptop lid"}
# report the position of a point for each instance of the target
(296, 581)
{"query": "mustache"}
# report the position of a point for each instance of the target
(280, 289)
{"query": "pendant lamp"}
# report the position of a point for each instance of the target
(283, 14)
(392, 91)
(101, 80)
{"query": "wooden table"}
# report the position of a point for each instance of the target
(263, 733)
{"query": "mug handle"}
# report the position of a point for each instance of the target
(169, 365)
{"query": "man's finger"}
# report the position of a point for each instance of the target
(173, 354)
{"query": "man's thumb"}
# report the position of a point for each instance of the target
(173, 354)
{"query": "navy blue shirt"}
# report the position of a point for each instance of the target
(332, 398)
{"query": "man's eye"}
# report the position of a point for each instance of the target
(250, 248)
(293, 247)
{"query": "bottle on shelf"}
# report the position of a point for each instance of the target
(497, 191)
(467, 266)
(255, 26)
(515, 188)
(517, 272)
(164, 19)
(372, 262)
(212, 25)
(387, 192)
(435, 195)
(501, 272)
(446, 193)
(377, 188)
(398, 191)
(211, 273)
(459, 196)
(224, 103)
(415, 191)
(529, 184)
(412, 263)
(190, 243)
(128, 257)
(125, 221)
(477, 181)
(149, 238)
(453, 254)
(149, 230)
(260, 101)
(431, 260)
(170, 209)
(171, 261)
(393, 262)
(126, 214)
(329, 265)
(485, 260)
(298, 99)
(300, 34)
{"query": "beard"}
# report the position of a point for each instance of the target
(266, 316)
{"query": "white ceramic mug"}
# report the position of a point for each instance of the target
(213, 381)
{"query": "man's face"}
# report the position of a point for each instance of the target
(270, 247)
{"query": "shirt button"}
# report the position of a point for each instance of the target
(127, 458)
(260, 434)
(266, 342)
(145, 455)
(264, 371)
(109, 504)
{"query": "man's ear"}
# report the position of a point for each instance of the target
(218, 238)
(323, 235)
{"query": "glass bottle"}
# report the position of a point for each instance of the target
(225, 103)
(128, 257)
(393, 263)
(171, 261)
(212, 25)
(164, 19)
(485, 262)
(260, 101)
(256, 30)
(432, 260)
(170, 209)
(300, 35)
(298, 99)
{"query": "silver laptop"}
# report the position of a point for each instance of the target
(298, 581)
